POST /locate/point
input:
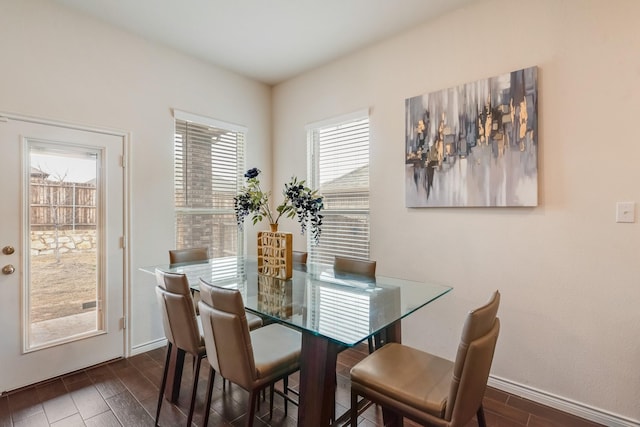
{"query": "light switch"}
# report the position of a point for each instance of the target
(625, 212)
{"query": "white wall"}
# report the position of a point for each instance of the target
(568, 273)
(58, 64)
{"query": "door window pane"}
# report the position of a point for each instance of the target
(62, 289)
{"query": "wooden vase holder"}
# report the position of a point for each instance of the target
(275, 251)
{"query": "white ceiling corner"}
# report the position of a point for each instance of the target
(266, 40)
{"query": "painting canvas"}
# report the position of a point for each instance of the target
(474, 144)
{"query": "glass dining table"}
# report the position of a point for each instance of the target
(332, 311)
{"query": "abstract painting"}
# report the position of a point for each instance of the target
(474, 144)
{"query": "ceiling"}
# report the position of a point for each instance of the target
(266, 40)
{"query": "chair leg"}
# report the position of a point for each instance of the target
(380, 339)
(195, 389)
(285, 389)
(333, 398)
(164, 382)
(207, 408)
(482, 422)
(251, 413)
(354, 409)
(271, 388)
(377, 341)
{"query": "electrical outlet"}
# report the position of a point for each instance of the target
(625, 212)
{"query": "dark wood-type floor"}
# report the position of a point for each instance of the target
(124, 393)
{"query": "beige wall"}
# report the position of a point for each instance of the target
(58, 64)
(569, 275)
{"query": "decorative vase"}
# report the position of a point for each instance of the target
(275, 251)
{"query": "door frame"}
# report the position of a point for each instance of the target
(126, 200)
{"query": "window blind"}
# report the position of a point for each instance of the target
(208, 165)
(339, 168)
(343, 315)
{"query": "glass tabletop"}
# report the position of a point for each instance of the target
(344, 308)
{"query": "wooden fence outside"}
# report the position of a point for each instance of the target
(62, 205)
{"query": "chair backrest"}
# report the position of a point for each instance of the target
(299, 257)
(226, 334)
(177, 256)
(178, 314)
(473, 362)
(359, 267)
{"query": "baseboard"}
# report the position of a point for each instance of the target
(151, 345)
(562, 404)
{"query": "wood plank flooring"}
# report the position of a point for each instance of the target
(124, 393)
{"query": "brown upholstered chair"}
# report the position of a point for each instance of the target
(189, 255)
(180, 327)
(299, 257)
(358, 267)
(181, 256)
(426, 388)
(253, 360)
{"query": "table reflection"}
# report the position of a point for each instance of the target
(275, 297)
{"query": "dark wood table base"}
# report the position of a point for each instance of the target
(318, 379)
(318, 362)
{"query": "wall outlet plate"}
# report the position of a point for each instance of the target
(625, 212)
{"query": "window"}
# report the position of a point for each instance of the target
(339, 168)
(208, 169)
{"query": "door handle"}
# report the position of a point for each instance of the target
(8, 250)
(8, 269)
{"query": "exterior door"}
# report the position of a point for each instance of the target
(61, 256)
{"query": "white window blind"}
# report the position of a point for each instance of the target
(209, 163)
(342, 314)
(339, 168)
